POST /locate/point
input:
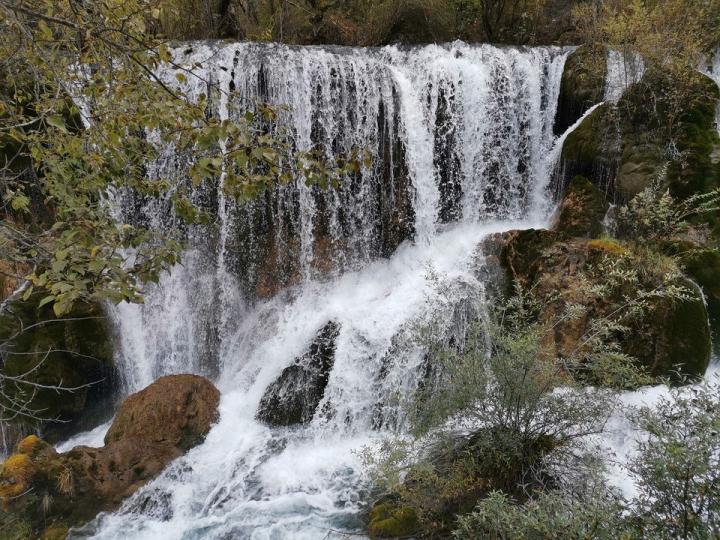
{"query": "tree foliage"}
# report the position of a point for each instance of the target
(83, 112)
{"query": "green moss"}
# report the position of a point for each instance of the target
(591, 150)
(388, 520)
(607, 246)
(703, 266)
(72, 352)
(688, 337)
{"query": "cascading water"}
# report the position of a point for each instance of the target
(712, 70)
(455, 133)
(459, 137)
(461, 141)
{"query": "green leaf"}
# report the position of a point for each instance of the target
(46, 300)
(56, 121)
(27, 293)
(58, 309)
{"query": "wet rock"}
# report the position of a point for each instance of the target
(294, 396)
(73, 352)
(592, 150)
(582, 210)
(48, 492)
(176, 410)
(582, 85)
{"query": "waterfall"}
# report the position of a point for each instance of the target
(459, 138)
(456, 133)
(623, 70)
(712, 70)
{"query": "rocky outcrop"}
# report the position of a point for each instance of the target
(294, 396)
(582, 85)
(592, 150)
(75, 352)
(673, 335)
(44, 492)
(692, 166)
(582, 210)
(623, 148)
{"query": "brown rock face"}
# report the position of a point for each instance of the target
(582, 210)
(42, 489)
(672, 336)
(176, 410)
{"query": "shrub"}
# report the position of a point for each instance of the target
(677, 468)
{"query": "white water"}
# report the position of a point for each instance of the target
(712, 70)
(476, 118)
(621, 437)
(489, 112)
(500, 102)
(623, 70)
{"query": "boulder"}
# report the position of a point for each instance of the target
(294, 396)
(44, 493)
(673, 336)
(582, 210)
(582, 85)
(176, 410)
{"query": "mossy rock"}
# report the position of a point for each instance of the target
(703, 266)
(525, 252)
(592, 150)
(582, 209)
(675, 338)
(47, 491)
(391, 520)
(582, 85)
(622, 149)
(73, 352)
(640, 164)
(693, 168)
(605, 247)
